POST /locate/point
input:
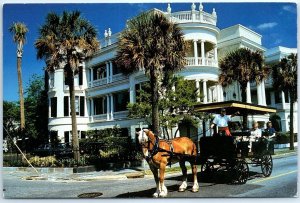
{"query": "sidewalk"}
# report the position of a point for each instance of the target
(67, 175)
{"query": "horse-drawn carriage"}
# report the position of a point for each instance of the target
(226, 153)
(231, 153)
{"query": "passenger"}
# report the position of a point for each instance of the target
(255, 134)
(270, 131)
(221, 121)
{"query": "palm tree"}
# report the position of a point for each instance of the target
(243, 66)
(154, 44)
(285, 79)
(65, 42)
(19, 31)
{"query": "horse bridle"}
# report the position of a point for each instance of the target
(155, 148)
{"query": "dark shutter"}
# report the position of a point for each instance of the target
(80, 75)
(81, 106)
(53, 107)
(66, 106)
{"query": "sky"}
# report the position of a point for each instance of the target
(276, 22)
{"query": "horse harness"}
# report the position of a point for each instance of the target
(157, 149)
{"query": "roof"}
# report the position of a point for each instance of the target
(234, 106)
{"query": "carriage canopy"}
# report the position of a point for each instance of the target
(234, 106)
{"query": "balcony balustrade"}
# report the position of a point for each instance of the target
(187, 16)
(120, 114)
(191, 61)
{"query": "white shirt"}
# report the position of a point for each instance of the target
(221, 121)
(256, 133)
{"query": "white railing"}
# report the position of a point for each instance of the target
(99, 82)
(101, 117)
(198, 16)
(119, 77)
(182, 16)
(191, 61)
(120, 114)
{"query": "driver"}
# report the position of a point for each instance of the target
(221, 121)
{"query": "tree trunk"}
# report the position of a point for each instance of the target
(75, 141)
(21, 97)
(155, 113)
(244, 99)
(292, 120)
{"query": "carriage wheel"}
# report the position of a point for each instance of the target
(240, 172)
(266, 165)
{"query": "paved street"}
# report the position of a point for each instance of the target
(282, 183)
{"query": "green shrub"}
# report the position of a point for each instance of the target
(48, 161)
(284, 137)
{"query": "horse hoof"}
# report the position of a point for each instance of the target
(182, 189)
(195, 190)
(155, 195)
(162, 194)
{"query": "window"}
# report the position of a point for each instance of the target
(67, 136)
(286, 96)
(116, 69)
(66, 106)
(278, 97)
(80, 75)
(120, 101)
(53, 102)
(83, 134)
(99, 72)
(77, 105)
(100, 106)
(81, 106)
(268, 97)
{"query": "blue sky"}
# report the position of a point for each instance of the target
(276, 22)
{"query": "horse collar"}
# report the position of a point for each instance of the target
(154, 150)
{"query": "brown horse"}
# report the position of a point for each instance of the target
(159, 153)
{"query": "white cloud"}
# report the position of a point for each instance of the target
(289, 8)
(264, 26)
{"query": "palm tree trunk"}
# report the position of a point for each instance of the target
(75, 141)
(155, 113)
(21, 97)
(291, 120)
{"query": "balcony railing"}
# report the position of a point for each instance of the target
(191, 61)
(120, 114)
(101, 117)
(99, 82)
(199, 16)
(119, 77)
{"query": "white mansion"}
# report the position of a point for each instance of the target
(103, 92)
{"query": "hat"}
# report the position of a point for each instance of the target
(223, 110)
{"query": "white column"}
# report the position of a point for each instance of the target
(198, 90)
(215, 55)
(107, 72)
(92, 107)
(283, 98)
(263, 90)
(110, 70)
(204, 92)
(111, 107)
(92, 77)
(221, 93)
(107, 107)
(202, 52)
(259, 94)
(196, 51)
(248, 93)
(132, 96)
